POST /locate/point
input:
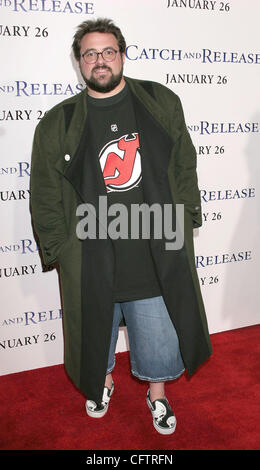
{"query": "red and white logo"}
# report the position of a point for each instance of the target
(120, 162)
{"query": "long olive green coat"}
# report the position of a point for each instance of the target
(65, 173)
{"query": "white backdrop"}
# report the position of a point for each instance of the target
(205, 51)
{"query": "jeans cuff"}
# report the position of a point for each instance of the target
(110, 369)
(160, 379)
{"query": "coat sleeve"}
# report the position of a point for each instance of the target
(46, 199)
(186, 168)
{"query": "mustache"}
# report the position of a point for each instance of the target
(101, 67)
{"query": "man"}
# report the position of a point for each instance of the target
(122, 142)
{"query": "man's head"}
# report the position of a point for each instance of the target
(101, 72)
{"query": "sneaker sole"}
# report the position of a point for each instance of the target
(96, 414)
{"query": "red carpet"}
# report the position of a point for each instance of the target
(218, 408)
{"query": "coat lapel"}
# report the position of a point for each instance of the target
(155, 110)
(84, 172)
(155, 148)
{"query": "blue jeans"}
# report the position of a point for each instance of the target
(154, 346)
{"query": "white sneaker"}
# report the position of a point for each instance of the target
(164, 420)
(98, 410)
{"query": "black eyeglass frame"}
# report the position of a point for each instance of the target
(99, 53)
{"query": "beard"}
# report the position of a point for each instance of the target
(95, 85)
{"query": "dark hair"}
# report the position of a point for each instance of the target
(101, 25)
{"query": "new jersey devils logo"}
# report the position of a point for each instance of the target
(120, 161)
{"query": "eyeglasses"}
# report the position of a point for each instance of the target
(90, 57)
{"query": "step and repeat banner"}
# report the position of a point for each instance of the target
(205, 51)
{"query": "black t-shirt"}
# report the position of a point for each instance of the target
(115, 136)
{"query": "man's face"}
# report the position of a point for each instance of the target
(102, 76)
